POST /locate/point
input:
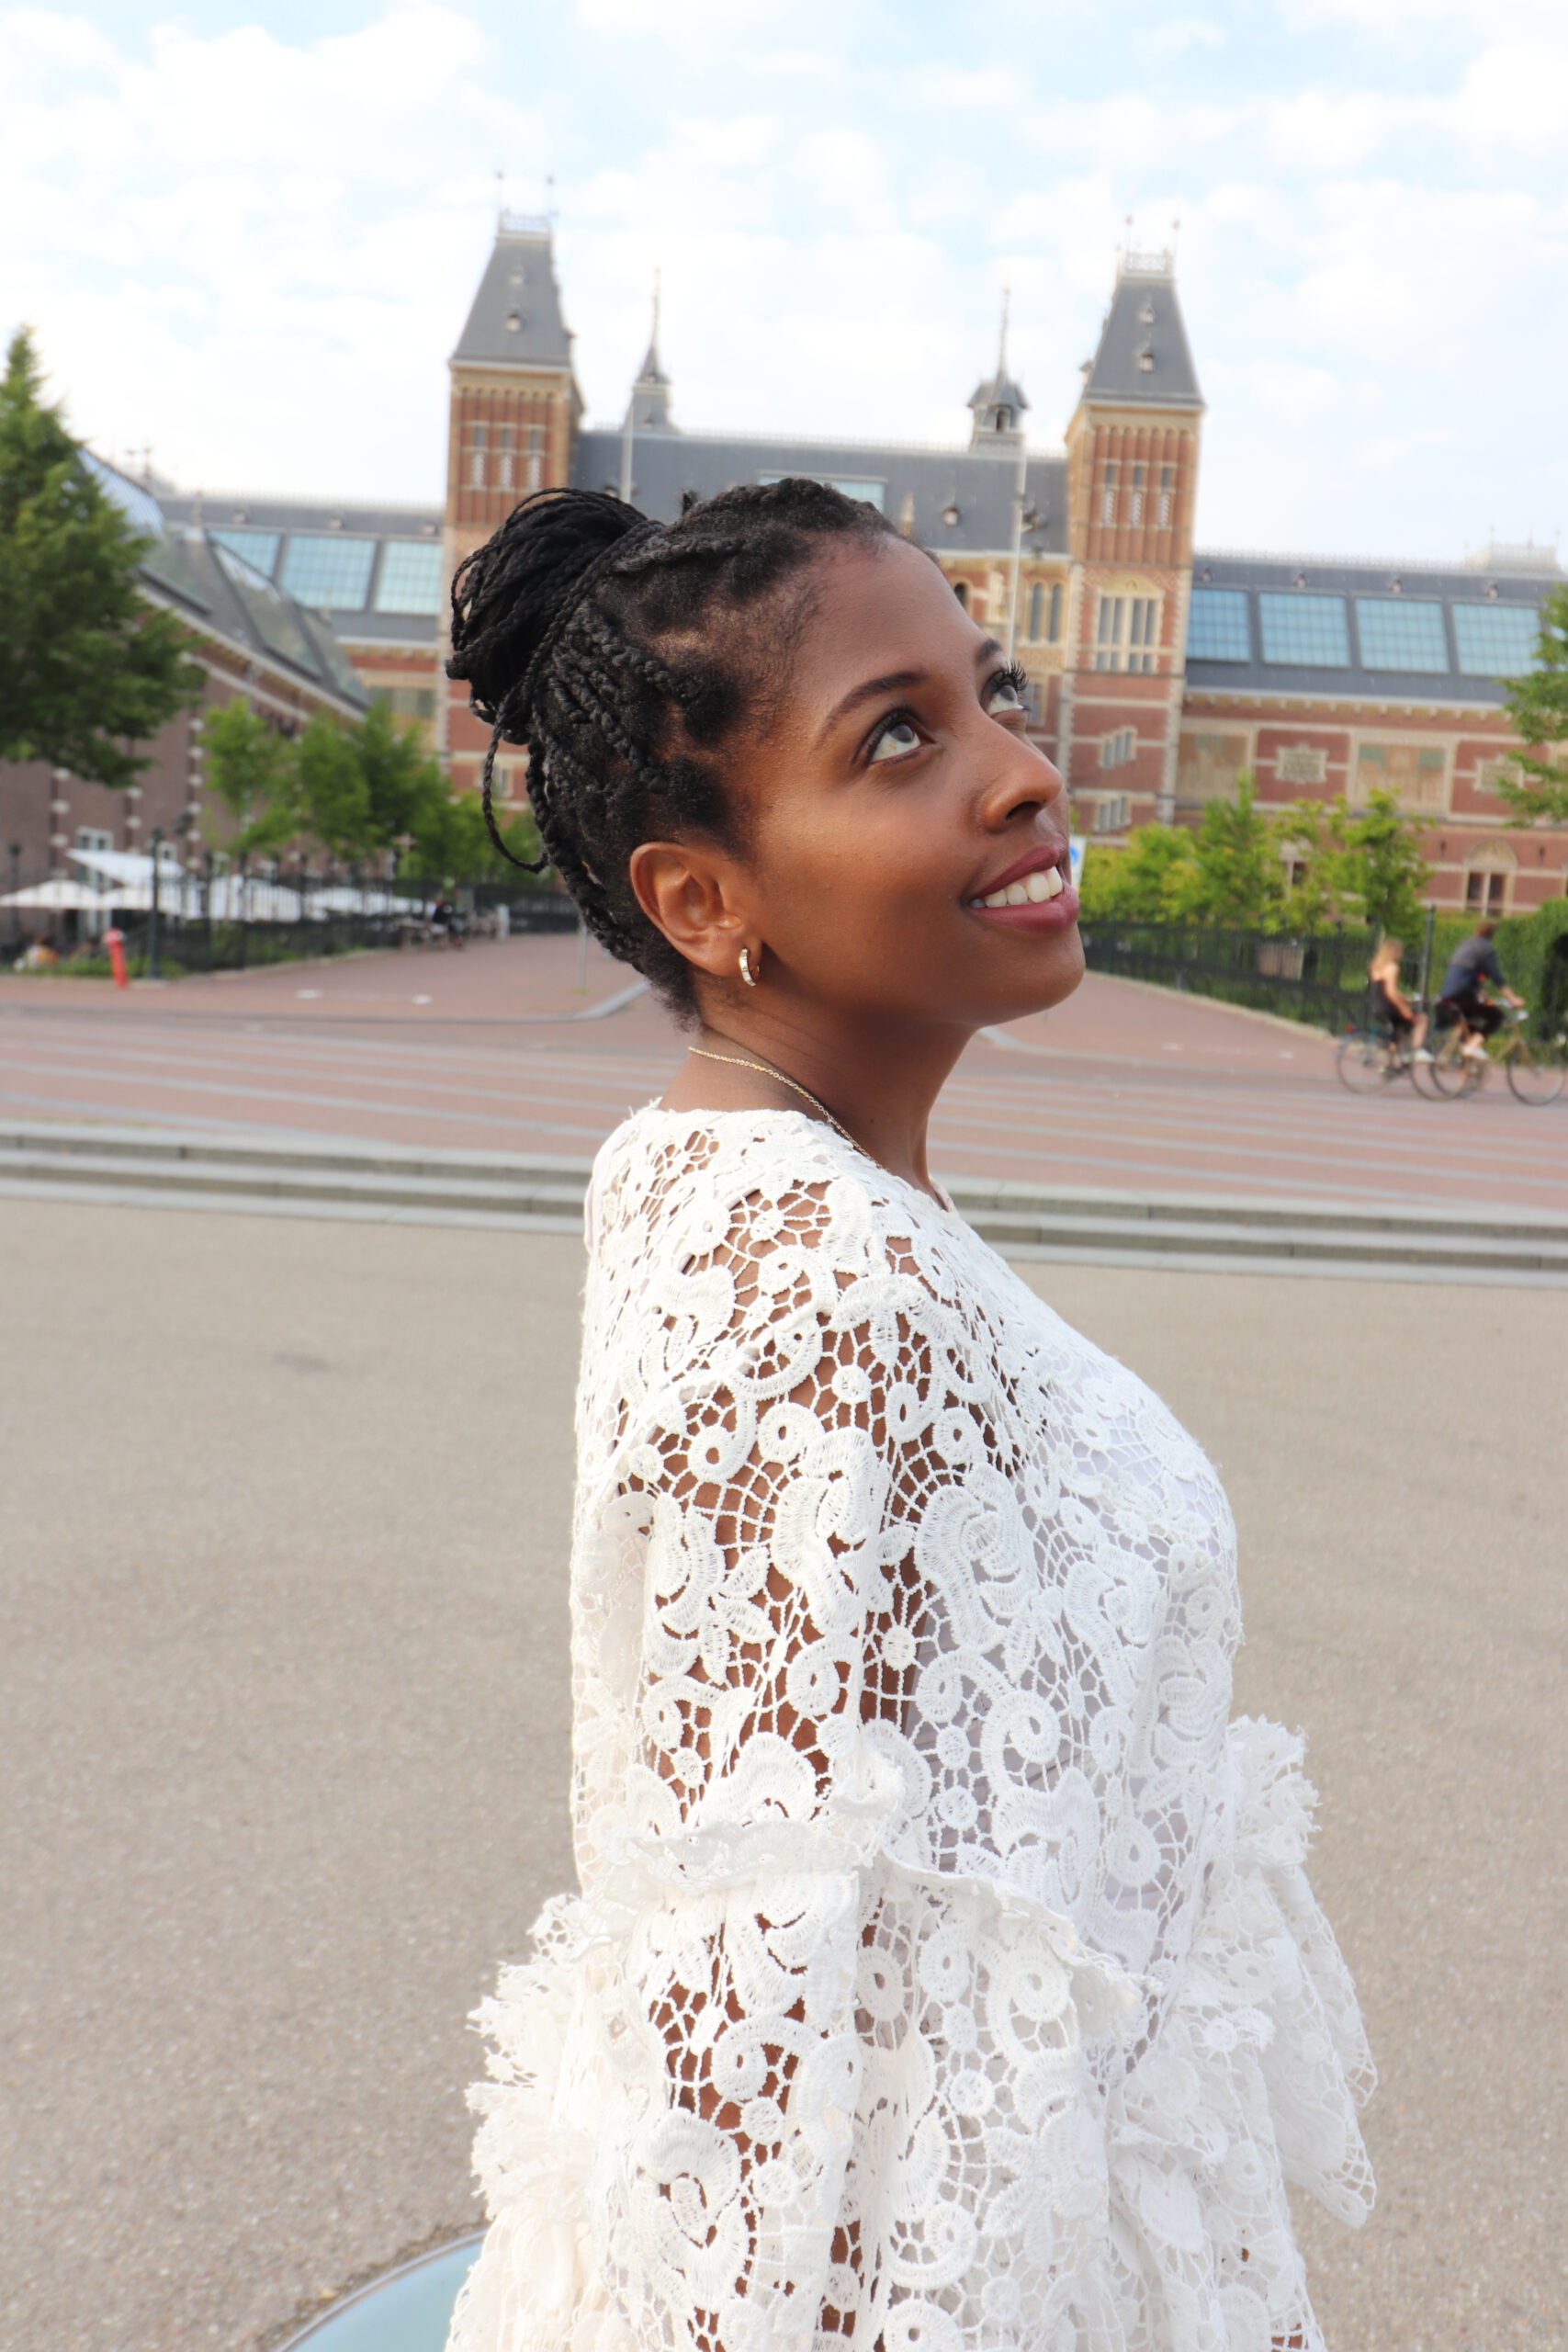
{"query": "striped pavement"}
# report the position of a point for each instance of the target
(507, 1046)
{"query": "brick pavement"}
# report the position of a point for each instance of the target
(1124, 1087)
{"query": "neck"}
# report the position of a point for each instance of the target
(878, 1077)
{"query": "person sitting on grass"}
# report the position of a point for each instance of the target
(1393, 1007)
(1461, 997)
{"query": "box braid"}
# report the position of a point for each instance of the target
(628, 655)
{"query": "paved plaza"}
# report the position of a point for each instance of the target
(1125, 1086)
(284, 1685)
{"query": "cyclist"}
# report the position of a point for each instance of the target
(1393, 1007)
(1461, 999)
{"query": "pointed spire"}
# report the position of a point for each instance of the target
(648, 411)
(997, 404)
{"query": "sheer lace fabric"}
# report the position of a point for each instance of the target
(944, 1974)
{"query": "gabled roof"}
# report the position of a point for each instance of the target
(913, 487)
(1143, 355)
(516, 321)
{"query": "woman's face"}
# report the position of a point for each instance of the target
(894, 792)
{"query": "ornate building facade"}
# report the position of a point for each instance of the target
(1159, 671)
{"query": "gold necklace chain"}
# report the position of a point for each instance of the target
(739, 1062)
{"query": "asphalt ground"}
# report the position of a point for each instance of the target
(1124, 1087)
(284, 1514)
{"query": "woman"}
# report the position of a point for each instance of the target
(944, 1974)
(1392, 1007)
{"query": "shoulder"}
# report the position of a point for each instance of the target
(778, 1206)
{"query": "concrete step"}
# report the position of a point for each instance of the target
(341, 1177)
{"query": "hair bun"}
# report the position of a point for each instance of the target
(509, 594)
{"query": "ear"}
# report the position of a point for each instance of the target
(692, 894)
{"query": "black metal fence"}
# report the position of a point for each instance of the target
(1319, 977)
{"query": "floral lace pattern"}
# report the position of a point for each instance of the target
(944, 1974)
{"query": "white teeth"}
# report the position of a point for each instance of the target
(1033, 891)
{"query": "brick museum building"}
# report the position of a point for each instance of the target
(1159, 673)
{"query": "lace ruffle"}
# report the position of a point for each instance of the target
(1252, 2079)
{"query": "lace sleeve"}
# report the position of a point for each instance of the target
(782, 1478)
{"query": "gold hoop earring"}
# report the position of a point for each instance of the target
(747, 974)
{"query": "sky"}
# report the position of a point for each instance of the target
(247, 239)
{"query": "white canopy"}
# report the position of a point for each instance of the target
(59, 895)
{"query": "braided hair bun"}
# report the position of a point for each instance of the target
(624, 655)
(510, 595)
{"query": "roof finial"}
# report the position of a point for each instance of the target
(1002, 338)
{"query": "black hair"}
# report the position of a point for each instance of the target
(628, 656)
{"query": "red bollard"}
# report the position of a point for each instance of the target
(115, 942)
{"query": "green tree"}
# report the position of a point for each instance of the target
(364, 789)
(253, 772)
(1142, 882)
(451, 839)
(1536, 706)
(88, 666)
(1237, 877)
(404, 782)
(1361, 866)
(1386, 842)
(334, 796)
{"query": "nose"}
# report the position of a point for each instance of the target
(1023, 784)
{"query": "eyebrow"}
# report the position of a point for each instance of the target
(895, 682)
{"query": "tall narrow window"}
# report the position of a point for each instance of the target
(504, 463)
(1054, 625)
(1108, 495)
(476, 457)
(1036, 606)
(1139, 475)
(1162, 512)
(535, 466)
(1127, 633)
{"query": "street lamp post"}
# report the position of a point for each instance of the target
(153, 973)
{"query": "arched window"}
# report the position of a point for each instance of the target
(1004, 420)
(1036, 600)
(1055, 624)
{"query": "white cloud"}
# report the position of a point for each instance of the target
(255, 251)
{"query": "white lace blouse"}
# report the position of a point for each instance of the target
(943, 1976)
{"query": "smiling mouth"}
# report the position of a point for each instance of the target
(1043, 883)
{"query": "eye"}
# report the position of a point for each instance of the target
(895, 739)
(1004, 692)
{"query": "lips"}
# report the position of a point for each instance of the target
(1034, 881)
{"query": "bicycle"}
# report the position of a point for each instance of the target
(1366, 1060)
(1536, 1069)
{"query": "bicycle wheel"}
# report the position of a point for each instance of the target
(1363, 1062)
(1535, 1072)
(1449, 1071)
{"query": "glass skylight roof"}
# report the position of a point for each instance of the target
(410, 580)
(258, 548)
(1307, 632)
(1496, 640)
(1217, 626)
(1401, 633)
(328, 572)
